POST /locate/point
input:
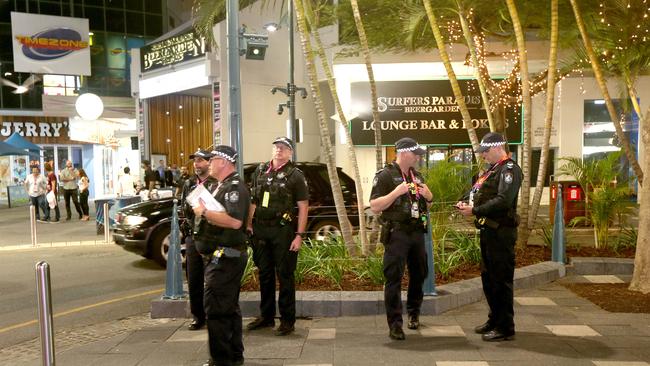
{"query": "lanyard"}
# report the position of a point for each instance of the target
(417, 191)
(487, 174)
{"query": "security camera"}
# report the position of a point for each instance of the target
(255, 46)
(303, 93)
(274, 90)
(280, 108)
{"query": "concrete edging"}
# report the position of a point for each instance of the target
(600, 266)
(351, 303)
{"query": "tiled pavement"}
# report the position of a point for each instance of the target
(554, 327)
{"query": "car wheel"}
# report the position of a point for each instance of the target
(160, 246)
(324, 229)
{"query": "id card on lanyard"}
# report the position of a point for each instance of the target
(482, 179)
(415, 208)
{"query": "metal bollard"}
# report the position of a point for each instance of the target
(32, 223)
(44, 296)
(174, 272)
(429, 285)
(107, 225)
(558, 250)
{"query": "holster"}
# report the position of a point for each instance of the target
(384, 234)
(483, 222)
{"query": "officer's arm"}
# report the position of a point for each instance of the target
(380, 199)
(187, 209)
(222, 219)
(303, 210)
(251, 213)
(509, 184)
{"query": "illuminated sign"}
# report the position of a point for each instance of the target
(174, 50)
(45, 44)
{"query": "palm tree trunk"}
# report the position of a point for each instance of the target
(469, 39)
(641, 276)
(346, 227)
(460, 100)
(548, 123)
(525, 94)
(595, 66)
(344, 125)
(365, 50)
(630, 90)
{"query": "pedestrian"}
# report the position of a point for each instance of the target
(161, 173)
(184, 176)
(221, 239)
(150, 177)
(277, 221)
(125, 185)
(401, 196)
(84, 185)
(52, 186)
(70, 189)
(493, 200)
(36, 187)
(193, 260)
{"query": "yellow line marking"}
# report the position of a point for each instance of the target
(81, 308)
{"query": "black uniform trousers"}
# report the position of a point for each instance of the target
(74, 193)
(497, 273)
(195, 271)
(221, 302)
(404, 248)
(272, 257)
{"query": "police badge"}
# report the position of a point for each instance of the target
(281, 175)
(234, 197)
(507, 178)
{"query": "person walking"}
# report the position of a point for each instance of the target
(277, 221)
(221, 239)
(150, 177)
(125, 185)
(493, 200)
(402, 198)
(36, 187)
(52, 186)
(193, 261)
(70, 189)
(84, 186)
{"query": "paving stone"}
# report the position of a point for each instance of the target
(620, 363)
(603, 279)
(442, 331)
(534, 301)
(573, 330)
(461, 363)
(321, 333)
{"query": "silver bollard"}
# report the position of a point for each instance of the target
(107, 225)
(44, 296)
(32, 223)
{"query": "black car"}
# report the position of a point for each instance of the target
(144, 227)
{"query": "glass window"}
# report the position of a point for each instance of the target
(6, 7)
(115, 4)
(77, 157)
(50, 8)
(6, 54)
(98, 49)
(79, 13)
(134, 23)
(48, 157)
(550, 167)
(61, 156)
(115, 19)
(116, 51)
(153, 6)
(95, 17)
(94, 2)
(153, 26)
(21, 6)
(32, 6)
(65, 10)
(134, 5)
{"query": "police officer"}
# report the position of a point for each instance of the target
(402, 198)
(493, 200)
(278, 188)
(221, 239)
(194, 261)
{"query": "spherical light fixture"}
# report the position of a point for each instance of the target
(89, 106)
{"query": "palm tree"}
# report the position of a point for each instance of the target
(313, 18)
(641, 276)
(598, 74)
(548, 122)
(346, 227)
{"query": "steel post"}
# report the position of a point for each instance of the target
(44, 296)
(234, 83)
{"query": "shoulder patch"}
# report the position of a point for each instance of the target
(233, 197)
(374, 181)
(507, 177)
(510, 165)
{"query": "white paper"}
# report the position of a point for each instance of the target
(201, 194)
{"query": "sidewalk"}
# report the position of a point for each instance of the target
(554, 327)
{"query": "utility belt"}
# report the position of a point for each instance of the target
(220, 252)
(486, 222)
(282, 220)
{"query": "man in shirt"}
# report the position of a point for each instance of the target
(125, 186)
(70, 189)
(52, 186)
(36, 187)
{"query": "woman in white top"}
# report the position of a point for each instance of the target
(125, 186)
(84, 184)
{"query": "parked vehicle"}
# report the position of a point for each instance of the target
(144, 228)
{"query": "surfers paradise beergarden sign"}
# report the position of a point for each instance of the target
(45, 44)
(425, 110)
(173, 50)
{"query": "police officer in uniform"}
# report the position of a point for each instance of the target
(493, 200)
(280, 203)
(221, 239)
(402, 198)
(194, 261)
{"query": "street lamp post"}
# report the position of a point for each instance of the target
(291, 89)
(234, 83)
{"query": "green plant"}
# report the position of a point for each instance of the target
(626, 238)
(371, 268)
(249, 270)
(326, 258)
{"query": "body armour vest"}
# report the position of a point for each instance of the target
(400, 210)
(490, 189)
(275, 186)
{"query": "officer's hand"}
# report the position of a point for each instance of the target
(296, 243)
(401, 189)
(425, 191)
(198, 210)
(464, 209)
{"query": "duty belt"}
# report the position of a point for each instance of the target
(483, 222)
(223, 252)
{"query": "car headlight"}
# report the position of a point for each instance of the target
(133, 220)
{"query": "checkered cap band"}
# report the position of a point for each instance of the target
(219, 154)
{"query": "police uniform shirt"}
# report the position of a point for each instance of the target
(188, 186)
(288, 176)
(385, 182)
(498, 194)
(234, 196)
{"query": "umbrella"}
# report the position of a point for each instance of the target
(18, 141)
(6, 149)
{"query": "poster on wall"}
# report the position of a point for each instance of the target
(5, 175)
(46, 44)
(19, 169)
(216, 113)
(425, 110)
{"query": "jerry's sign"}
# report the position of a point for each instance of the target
(425, 110)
